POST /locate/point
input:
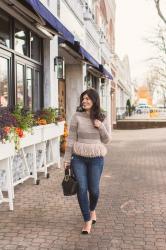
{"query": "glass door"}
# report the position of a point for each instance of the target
(37, 91)
(20, 73)
(5, 72)
(29, 84)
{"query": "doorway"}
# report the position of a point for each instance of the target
(62, 96)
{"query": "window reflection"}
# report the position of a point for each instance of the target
(20, 84)
(4, 63)
(35, 47)
(4, 29)
(29, 87)
(36, 92)
(20, 39)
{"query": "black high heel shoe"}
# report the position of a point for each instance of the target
(93, 222)
(85, 232)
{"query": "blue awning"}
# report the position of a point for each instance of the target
(88, 57)
(51, 20)
(105, 72)
(81, 51)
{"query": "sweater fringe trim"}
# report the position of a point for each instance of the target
(89, 150)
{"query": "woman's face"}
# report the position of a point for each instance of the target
(87, 102)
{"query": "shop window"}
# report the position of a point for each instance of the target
(21, 38)
(20, 77)
(29, 88)
(4, 80)
(36, 90)
(20, 84)
(35, 47)
(4, 29)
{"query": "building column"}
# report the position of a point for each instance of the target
(50, 78)
(74, 87)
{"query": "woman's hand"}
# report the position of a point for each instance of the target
(66, 165)
(97, 123)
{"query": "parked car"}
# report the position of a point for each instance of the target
(142, 109)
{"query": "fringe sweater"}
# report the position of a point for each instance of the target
(84, 139)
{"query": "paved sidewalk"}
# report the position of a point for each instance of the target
(131, 210)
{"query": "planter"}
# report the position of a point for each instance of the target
(32, 138)
(6, 150)
(61, 127)
(51, 131)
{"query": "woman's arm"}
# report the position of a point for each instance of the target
(105, 131)
(71, 139)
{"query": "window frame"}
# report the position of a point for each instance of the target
(7, 55)
(23, 59)
(27, 64)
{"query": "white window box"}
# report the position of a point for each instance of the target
(32, 138)
(6, 150)
(52, 130)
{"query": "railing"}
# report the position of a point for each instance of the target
(121, 113)
(141, 113)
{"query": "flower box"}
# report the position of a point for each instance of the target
(32, 138)
(6, 150)
(51, 131)
(61, 127)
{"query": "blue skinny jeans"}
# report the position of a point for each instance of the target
(87, 171)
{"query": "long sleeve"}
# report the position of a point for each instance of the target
(72, 138)
(104, 131)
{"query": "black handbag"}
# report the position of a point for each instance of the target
(69, 183)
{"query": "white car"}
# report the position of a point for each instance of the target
(142, 109)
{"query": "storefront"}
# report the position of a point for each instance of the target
(81, 71)
(21, 64)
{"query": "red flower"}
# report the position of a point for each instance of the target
(19, 132)
(6, 129)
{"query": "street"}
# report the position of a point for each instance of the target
(131, 213)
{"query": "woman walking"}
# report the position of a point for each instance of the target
(85, 153)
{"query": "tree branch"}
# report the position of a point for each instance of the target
(157, 3)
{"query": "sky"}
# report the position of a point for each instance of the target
(135, 21)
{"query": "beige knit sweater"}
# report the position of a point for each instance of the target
(84, 139)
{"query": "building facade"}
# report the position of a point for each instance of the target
(123, 86)
(52, 50)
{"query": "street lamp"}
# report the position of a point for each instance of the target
(59, 67)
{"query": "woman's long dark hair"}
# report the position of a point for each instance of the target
(95, 112)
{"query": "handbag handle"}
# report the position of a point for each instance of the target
(67, 172)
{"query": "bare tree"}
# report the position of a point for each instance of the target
(158, 41)
(160, 12)
(157, 73)
(156, 82)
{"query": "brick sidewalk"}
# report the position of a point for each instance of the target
(131, 211)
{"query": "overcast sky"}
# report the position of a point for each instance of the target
(135, 20)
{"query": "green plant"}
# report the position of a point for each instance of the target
(24, 118)
(48, 114)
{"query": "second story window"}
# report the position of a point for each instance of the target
(21, 38)
(4, 29)
(35, 47)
